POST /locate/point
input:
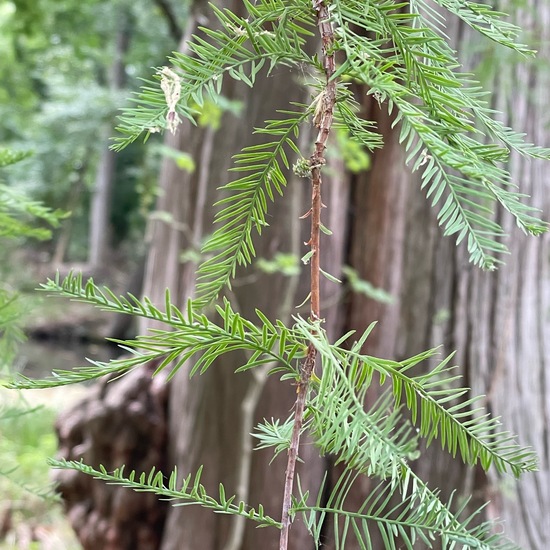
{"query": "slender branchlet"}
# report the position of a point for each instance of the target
(323, 121)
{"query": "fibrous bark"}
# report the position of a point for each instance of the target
(496, 321)
(120, 422)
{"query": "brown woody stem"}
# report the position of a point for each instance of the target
(323, 122)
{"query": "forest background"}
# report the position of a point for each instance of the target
(68, 67)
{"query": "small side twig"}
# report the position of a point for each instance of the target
(323, 121)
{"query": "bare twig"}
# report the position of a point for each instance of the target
(323, 121)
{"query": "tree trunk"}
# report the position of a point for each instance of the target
(378, 204)
(498, 322)
(502, 326)
(118, 422)
(211, 416)
(99, 239)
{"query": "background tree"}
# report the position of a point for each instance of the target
(100, 219)
(67, 68)
(495, 320)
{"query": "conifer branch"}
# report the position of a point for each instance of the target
(323, 121)
(188, 491)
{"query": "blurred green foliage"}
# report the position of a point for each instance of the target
(55, 99)
(27, 440)
(354, 154)
(361, 286)
(20, 218)
(286, 264)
